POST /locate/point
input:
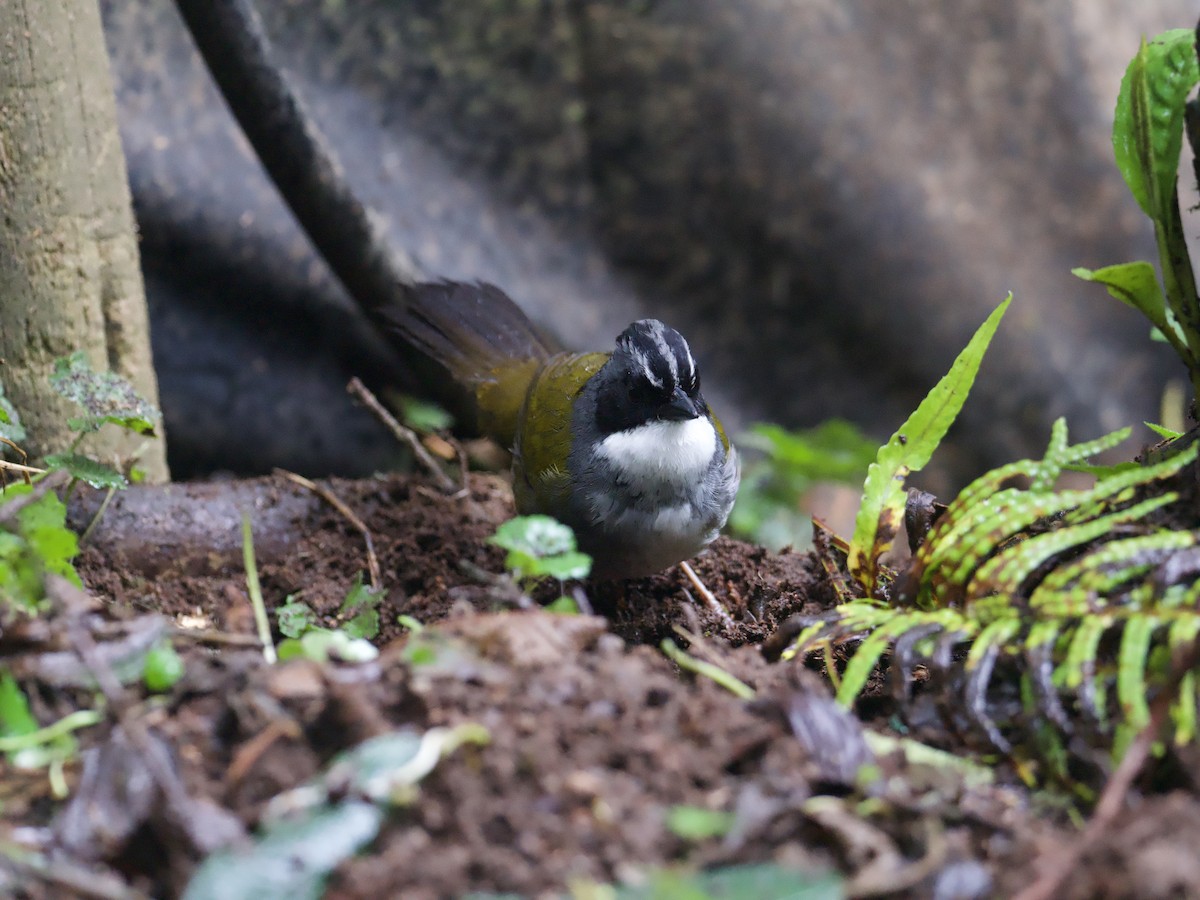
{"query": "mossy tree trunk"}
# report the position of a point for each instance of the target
(69, 267)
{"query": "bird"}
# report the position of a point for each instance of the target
(621, 446)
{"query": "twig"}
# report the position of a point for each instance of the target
(17, 467)
(87, 532)
(80, 718)
(255, 591)
(689, 663)
(404, 435)
(697, 645)
(463, 464)
(250, 752)
(713, 604)
(1049, 885)
(373, 570)
(294, 152)
(212, 636)
(81, 881)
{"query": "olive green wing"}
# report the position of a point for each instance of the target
(541, 481)
(720, 429)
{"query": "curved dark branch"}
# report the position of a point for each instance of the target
(230, 37)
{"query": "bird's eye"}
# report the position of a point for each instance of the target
(644, 391)
(692, 383)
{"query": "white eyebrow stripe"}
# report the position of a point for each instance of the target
(643, 363)
(660, 342)
(690, 361)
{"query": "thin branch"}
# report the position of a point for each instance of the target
(297, 156)
(402, 434)
(254, 589)
(221, 638)
(373, 570)
(710, 600)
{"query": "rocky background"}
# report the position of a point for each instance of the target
(827, 196)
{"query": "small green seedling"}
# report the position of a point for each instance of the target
(695, 823)
(36, 543)
(410, 623)
(540, 547)
(163, 668)
(106, 397)
(254, 589)
(708, 670)
(295, 617)
(422, 416)
(325, 644)
(15, 718)
(305, 639)
(564, 605)
(27, 745)
(360, 610)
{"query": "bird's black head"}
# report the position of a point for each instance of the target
(652, 376)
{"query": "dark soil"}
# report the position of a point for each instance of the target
(594, 734)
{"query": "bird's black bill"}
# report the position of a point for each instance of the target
(679, 408)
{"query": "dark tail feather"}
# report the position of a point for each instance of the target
(476, 349)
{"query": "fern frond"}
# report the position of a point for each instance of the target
(1080, 590)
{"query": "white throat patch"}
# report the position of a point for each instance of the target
(677, 452)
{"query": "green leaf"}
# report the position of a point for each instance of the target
(761, 881)
(106, 396)
(292, 859)
(835, 450)
(565, 566)
(695, 823)
(1135, 284)
(564, 606)
(324, 644)
(362, 605)
(708, 670)
(1163, 432)
(1148, 122)
(909, 450)
(364, 625)
(769, 508)
(861, 665)
(15, 717)
(410, 623)
(535, 536)
(1132, 660)
(310, 830)
(539, 546)
(163, 668)
(423, 416)
(387, 767)
(87, 469)
(294, 618)
(26, 744)
(44, 527)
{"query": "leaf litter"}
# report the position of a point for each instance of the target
(578, 744)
